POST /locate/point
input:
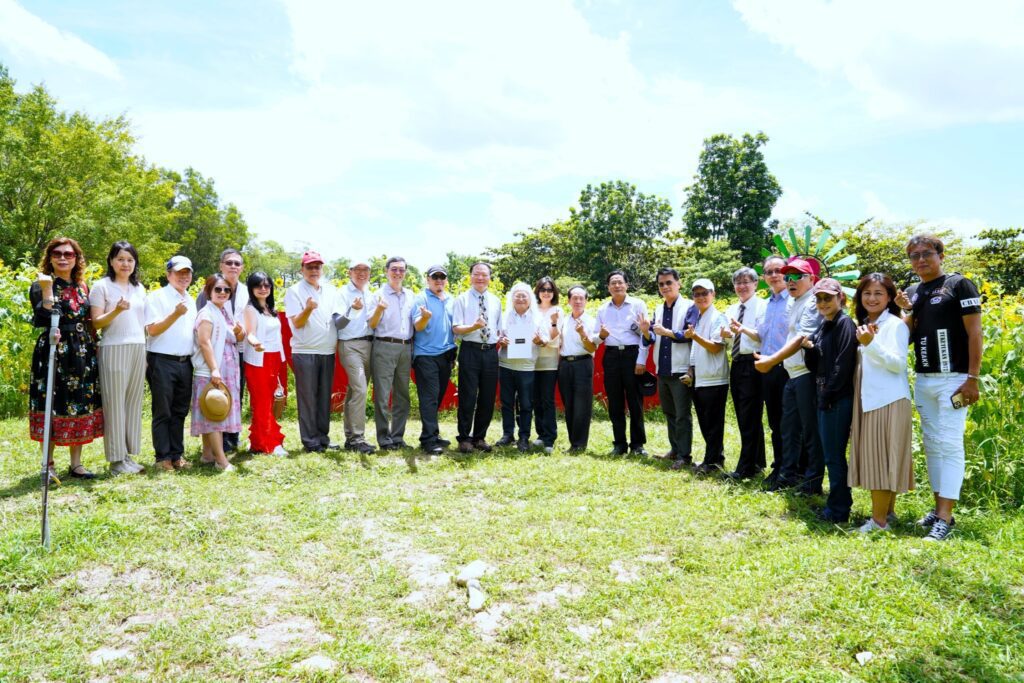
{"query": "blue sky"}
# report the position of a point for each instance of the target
(418, 128)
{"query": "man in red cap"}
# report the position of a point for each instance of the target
(803, 464)
(309, 304)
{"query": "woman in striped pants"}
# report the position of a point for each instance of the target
(118, 306)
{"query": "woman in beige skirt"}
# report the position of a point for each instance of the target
(880, 450)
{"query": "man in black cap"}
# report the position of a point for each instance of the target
(433, 354)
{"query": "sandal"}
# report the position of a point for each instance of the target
(79, 472)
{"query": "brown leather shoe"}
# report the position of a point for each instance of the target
(164, 465)
(181, 464)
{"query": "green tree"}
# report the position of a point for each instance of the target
(1002, 257)
(732, 195)
(274, 260)
(201, 225)
(713, 259)
(67, 174)
(537, 252)
(614, 227)
(378, 275)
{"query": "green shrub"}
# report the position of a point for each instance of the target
(17, 337)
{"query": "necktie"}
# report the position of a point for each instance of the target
(736, 340)
(485, 331)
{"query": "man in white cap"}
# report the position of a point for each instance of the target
(309, 304)
(170, 317)
(355, 305)
(710, 370)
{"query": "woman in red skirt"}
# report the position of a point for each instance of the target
(264, 361)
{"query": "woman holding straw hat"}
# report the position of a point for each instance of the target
(215, 369)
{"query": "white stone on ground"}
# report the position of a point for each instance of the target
(277, 635)
(473, 570)
(864, 657)
(316, 663)
(477, 597)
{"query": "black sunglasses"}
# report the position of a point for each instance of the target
(222, 290)
(438, 276)
(549, 290)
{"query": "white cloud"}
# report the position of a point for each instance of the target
(931, 61)
(32, 39)
(792, 205)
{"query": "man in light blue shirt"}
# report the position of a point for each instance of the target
(433, 354)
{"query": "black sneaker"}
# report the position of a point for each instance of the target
(928, 520)
(434, 449)
(444, 443)
(940, 530)
(506, 440)
(523, 445)
(638, 451)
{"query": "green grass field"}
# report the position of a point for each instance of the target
(318, 568)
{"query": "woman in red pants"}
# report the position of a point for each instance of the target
(264, 357)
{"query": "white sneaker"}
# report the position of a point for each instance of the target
(537, 443)
(118, 468)
(135, 467)
(280, 451)
(872, 526)
(549, 449)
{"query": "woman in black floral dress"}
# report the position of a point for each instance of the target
(77, 412)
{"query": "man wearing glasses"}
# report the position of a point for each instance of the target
(391, 361)
(231, 265)
(771, 332)
(744, 381)
(671, 364)
(356, 304)
(803, 463)
(309, 304)
(433, 354)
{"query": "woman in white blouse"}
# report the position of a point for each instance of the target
(546, 370)
(880, 448)
(264, 360)
(118, 308)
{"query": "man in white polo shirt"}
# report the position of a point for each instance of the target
(170, 317)
(309, 304)
(355, 304)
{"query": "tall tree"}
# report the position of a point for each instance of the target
(534, 254)
(67, 174)
(201, 225)
(615, 227)
(732, 195)
(1002, 257)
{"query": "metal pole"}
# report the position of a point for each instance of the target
(48, 420)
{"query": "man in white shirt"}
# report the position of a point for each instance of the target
(355, 305)
(231, 265)
(309, 304)
(742, 343)
(710, 366)
(475, 318)
(391, 362)
(576, 369)
(621, 322)
(170, 317)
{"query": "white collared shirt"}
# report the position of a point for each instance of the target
(396, 320)
(176, 340)
(467, 310)
(753, 317)
(572, 345)
(358, 320)
(318, 335)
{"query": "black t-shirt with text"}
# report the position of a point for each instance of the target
(939, 335)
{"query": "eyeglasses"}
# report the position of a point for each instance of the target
(395, 269)
(361, 269)
(795, 277)
(666, 283)
(438, 276)
(921, 255)
(737, 283)
(236, 264)
(773, 271)
(262, 285)
(221, 290)
(702, 293)
(546, 289)
(313, 266)
(822, 297)
(63, 254)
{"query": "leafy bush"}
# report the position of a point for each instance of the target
(17, 337)
(995, 450)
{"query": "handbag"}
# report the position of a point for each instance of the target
(280, 401)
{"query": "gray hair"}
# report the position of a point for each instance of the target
(745, 273)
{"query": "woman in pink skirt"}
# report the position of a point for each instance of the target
(215, 361)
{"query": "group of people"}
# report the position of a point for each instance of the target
(825, 380)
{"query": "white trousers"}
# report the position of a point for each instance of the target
(942, 431)
(122, 379)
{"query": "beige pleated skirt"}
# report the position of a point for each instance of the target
(881, 457)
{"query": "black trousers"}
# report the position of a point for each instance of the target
(773, 386)
(544, 405)
(576, 385)
(622, 390)
(748, 401)
(709, 404)
(231, 438)
(170, 383)
(314, 379)
(478, 382)
(433, 375)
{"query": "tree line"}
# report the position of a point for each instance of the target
(68, 173)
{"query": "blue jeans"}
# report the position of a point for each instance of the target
(803, 463)
(516, 401)
(834, 427)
